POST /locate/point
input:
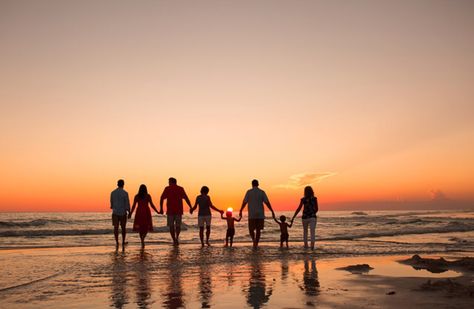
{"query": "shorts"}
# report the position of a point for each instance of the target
(256, 224)
(173, 220)
(116, 219)
(204, 219)
(230, 233)
(284, 237)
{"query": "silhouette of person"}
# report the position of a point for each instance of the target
(174, 195)
(255, 198)
(205, 279)
(204, 215)
(120, 205)
(143, 222)
(173, 297)
(257, 290)
(309, 218)
(119, 295)
(143, 291)
(310, 277)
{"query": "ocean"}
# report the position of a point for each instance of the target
(339, 233)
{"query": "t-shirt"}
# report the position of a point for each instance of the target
(310, 207)
(119, 202)
(174, 196)
(204, 203)
(255, 198)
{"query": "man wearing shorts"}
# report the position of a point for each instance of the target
(174, 195)
(255, 198)
(120, 205)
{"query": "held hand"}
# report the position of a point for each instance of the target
(130, 215)
(160, 212)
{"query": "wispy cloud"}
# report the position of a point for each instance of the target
(438, 195)
(304, 179)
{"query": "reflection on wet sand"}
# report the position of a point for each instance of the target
(143, 291)
(118, 295)
(257, 294)
(174, 296)
(205, 279)
(229, 256)
(310, 277)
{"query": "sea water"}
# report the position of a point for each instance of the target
(339, 233)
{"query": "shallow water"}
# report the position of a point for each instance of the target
(338, 233)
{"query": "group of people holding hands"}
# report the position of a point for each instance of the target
(174, 195)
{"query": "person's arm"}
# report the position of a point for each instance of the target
(267, 202)
(186, 199)
(195, 205)
(111, 203)
(127, 202)
(222, 216)
(214, 207)
(162, 198)
(291, 223)
(297, 210)
(152, 205)
(238, 220)
(244, 203)
(133, 207)
(276, 220)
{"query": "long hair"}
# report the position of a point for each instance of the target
(142, 192)
(308, 192)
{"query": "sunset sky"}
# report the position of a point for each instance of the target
(371, 102)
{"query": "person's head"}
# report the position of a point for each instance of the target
(204, 190)
(228, 214)
(255, 183)
(308, 191)
(120, 183)
(172, 181)
(282, 218)
(142, 191)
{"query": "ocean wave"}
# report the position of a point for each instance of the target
(450, 228)
(36, 222)
(73, 232)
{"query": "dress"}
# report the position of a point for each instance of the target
(143, 221)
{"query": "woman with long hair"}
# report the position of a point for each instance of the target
(143, 222)
(309, 202)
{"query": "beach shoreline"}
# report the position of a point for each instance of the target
(164, 276)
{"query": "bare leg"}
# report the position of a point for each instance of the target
(116, 234)
(124, 232)
(257, 237)
(313, 232)
(172, 233)
(201, 235)
(231, 240)
(178, 230)
(252, 235)
(226, 241)
(142, 238)
(208, 233)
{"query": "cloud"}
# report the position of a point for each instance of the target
(438, 195)
(304, 179)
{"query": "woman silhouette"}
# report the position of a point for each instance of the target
(310, 203)
(143, 222)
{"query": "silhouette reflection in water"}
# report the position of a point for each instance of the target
(205, 278)
(310, 277)
(173, 296)
(284, 267)
(257, 294)
(143, 291)
(118, 295)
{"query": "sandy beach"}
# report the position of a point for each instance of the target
(163, 276)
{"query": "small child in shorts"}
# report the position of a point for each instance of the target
(229, 237)
(284, 230)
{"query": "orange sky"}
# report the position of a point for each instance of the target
(370, 102)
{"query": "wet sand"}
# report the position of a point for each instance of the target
(162, 276)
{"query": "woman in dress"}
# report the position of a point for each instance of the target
(310, 208)
(143, 222)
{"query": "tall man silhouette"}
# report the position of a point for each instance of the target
(255, 198)
(174, 195)
(120, 205)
